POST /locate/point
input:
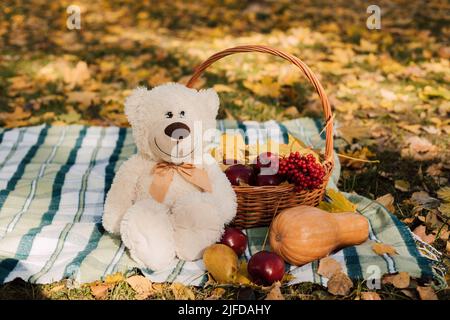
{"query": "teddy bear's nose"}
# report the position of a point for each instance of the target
(177, 130)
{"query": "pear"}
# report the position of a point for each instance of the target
(221, 262)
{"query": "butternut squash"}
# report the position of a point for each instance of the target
(303, 234)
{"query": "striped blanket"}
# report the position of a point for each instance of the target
(53, 182)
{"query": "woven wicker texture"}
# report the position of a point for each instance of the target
(258, 205)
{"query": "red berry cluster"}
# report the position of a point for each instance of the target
(303, 171)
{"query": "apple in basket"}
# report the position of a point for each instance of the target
(266, 267)
(235, 239)
(239, 174)
(267, 164)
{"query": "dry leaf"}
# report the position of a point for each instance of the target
(419, 149)
(340, 284)
(76, 76)
(216, 294)
(370, 296)
(426, 293)
(181, 292)
(141, 285)
(402, 185)
(337, 202)
(444, 194)
(401, 280)
(114, 278)
(328, 267)
(382, 248)
(387, 201)
(275, 292)
(420, 232)
(422, 198)
(447, 247)
(100, 291)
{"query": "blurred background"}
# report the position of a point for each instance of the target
(65, 62)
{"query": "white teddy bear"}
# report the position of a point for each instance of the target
(171, 198)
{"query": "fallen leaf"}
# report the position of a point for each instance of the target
(216, 294)
(402, 185)
(447, 247)
(340, 284)
(99, 291)
(83, 98)
(419, 149)
(444, 194)
(141, 285)
(275, 292)
(387, 201)
(420, 232)
(114, 278)
(382, 248)
(426, 293)
(328, 267)
(370, 296)
(423, 199)
(76, 76)
(337, 202)
(181, 292)
(401, 280)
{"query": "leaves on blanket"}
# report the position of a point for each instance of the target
(328, 267)
(426, 293)
(337, 202)
(340, 284)
(382, 248)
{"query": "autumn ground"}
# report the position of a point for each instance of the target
(389, 90)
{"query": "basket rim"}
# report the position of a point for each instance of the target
(326, 106)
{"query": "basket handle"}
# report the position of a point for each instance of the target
(294, 60)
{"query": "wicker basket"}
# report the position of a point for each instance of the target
(258, 205)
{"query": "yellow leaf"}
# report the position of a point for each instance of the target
(266, 87)
(141, 285)
(223, 88)
(114, 278)
(337, 202)
(181, 292)
(444, 194)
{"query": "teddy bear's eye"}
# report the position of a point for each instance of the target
(169, 115)
(182, 113)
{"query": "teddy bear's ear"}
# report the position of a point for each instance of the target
(211, 101)
(133, 103)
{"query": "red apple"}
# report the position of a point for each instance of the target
(235, 239)
(240, 173)
(266, 267)
(267, 180)
(267, 163)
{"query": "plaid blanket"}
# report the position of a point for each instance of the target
(53, 182)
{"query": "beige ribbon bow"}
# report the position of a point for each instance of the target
(163, 175)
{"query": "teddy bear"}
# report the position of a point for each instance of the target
(170, 199)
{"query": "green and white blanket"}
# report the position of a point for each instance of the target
(53, 182)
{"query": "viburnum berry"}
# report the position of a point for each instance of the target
(302, 171)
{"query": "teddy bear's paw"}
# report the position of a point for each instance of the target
(149, 236)
(196, 225)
